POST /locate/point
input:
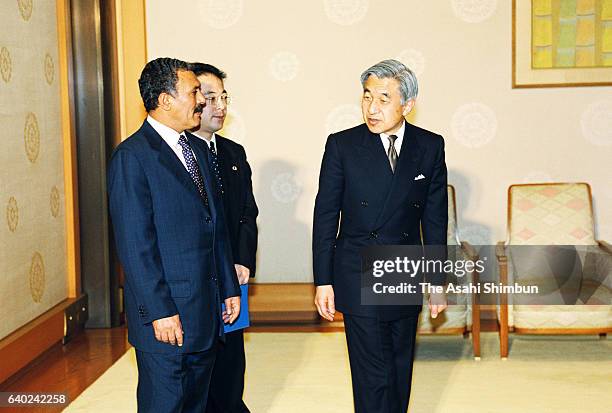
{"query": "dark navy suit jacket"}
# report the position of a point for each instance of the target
(377, 207)
(240, 207)
(174, 250)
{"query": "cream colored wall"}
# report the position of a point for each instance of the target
(33, 265)
(294, 71)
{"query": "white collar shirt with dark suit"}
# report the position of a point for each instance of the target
(362, 202)
(176, 256)
(158, 219)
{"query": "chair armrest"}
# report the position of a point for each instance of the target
(500, 252)
(605, 246)
(469, 250)
(472, 255)
(502, 260)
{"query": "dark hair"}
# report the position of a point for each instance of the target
(159, 76)
(205, 68)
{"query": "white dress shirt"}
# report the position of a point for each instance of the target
(213, 139)
(398, 142)
(171, 137)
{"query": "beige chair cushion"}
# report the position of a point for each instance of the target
(455, 316)
(551, 214)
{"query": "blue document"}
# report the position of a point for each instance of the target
(243, 320)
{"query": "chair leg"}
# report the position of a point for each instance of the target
(466, 334)
(503, 312)
(503, 341)
(476, 322)
(602, 336)
(476, 332)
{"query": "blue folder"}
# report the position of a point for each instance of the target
(243, 320)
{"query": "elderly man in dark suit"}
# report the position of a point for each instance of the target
(172, 240)
(386, 179)
(233, 181)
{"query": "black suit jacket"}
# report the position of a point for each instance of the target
(239, 202)
(174, 250)
(377, 206)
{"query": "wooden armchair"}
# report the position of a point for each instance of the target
(463, 313)
(555, 214)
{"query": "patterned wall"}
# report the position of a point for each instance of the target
(294, 76)
(32, 225)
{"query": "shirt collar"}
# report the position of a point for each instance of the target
(399, 133)
(212, 139)
(167, 133)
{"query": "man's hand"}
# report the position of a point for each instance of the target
(243, 274)
(437, 303)
(169, 330)
(232, 310)
(324, 300)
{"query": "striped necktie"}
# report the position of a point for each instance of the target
(392, 153)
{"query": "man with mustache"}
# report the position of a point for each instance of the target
(172, 240)
(233, 174)
(381, 183)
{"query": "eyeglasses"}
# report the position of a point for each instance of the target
(216, 100)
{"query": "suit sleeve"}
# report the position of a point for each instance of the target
(327, 213)
(434, 222)
(135, 235)
(247, 231)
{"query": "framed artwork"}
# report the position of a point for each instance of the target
(558, 43)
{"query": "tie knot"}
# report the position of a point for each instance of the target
(183, 141)
(392, 139)
(212, 146)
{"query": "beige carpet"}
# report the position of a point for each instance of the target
(309, 372)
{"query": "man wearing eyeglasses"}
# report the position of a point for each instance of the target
(233, 181)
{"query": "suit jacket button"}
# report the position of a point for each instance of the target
(364, 203)
(208, 219)
(373, 235)
(416, 205)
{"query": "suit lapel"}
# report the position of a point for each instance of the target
(371, 147)
(408, 164)
(168, 158)
(230, 163)
(373, 159)
(226, 162)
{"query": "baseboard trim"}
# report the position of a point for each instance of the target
(24, 345)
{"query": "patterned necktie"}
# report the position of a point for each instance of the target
(193, 168)
(214, 160)
(392, 153)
